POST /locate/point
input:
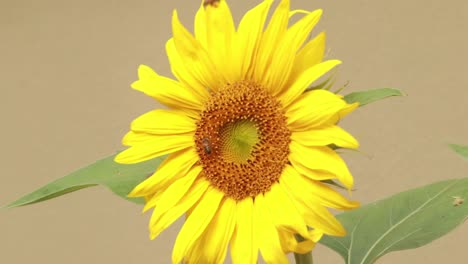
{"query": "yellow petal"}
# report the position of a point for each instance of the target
(244, 247)
(298, 11)
(324, 136)
(273, 34)
(348, 108)
(320, 218)
(289, 242)
(184, 73)
(313, 235)
(158, 146)
(268, 239)
(308, 160)
(145, 72)
(220, 38)
(283, 212)
(317, 192)
(151, 200)
(200, 26)
(167, 91)
(283, 61)
(315, 215)
(212, 246)
(187, 201)
(310, 55)
(306, 78)
(194, 57)
(313, 109)
(173, 194)
(196, 223)
(175, 166)
(329, 197)
(317, 175)
(163, 122)
(134, 138)
(248, 36)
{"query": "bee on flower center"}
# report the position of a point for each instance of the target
(207, 145)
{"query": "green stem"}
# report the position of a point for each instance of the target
(304, 258)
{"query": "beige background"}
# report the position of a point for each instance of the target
(65, 70)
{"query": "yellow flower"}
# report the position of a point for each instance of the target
(248, 143)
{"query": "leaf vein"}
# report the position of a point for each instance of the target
(404, 219)
(352, 239)
(404, 237)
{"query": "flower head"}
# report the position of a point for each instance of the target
(248, 144)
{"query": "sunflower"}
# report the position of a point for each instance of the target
(249, 144)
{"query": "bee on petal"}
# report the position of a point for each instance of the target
(457, 200)
(214, 3)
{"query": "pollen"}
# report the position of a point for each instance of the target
(242, 140)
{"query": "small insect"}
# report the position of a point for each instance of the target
(457, 200)
(206, 145)
(211, 3)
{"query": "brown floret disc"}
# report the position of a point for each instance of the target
(242, 140)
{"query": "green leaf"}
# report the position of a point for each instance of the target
(119, 178)
(370, 96)
(404, 221)
(462, 150)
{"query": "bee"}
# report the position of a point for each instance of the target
(207, 145)
(457, 200)
(211, 3)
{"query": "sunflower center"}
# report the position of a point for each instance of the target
(238, 140)
(242, 140)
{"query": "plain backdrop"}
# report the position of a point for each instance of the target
(65, 70)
